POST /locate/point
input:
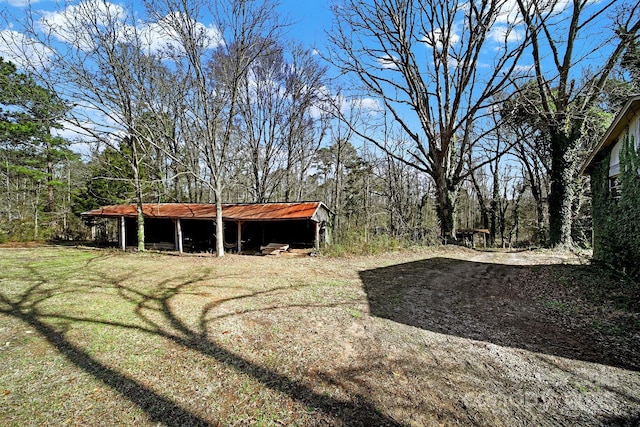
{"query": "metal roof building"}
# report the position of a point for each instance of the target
(191, 226)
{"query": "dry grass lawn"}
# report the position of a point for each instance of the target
(442, 336)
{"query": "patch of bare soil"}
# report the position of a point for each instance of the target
(13, 245)
(505, 343)
(508, 299)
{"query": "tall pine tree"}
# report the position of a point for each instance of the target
(30, 154)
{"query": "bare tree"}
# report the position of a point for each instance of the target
(280, 116)
(93, 54)
(307, 117)
(262, 110)
(216, 60)
(532, 153)
(435, 66)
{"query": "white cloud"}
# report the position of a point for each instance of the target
(367, 104)
(72, 132)
(389, 62)
(503, 33)
(94, 123)
(328, 101)
(22, 3)
(155, 37)
(79, 25)
(510, 12)
(523, 69)
(24, 52)
(437, 37)
(323, 104)
(160, 35)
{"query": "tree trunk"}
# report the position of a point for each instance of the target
(140, 222)
(495, 198)
(219, 222)
(536, 193)
(541, 235)
(561, 194)
(51, 201)
(484, 211)
(445, 209)
(424, 200)
(8, 193)
(138, 187)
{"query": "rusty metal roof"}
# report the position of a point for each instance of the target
(239, 212)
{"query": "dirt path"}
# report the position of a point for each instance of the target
(500, 351)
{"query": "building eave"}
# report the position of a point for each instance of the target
(620, 122)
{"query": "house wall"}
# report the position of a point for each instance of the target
(616, 217)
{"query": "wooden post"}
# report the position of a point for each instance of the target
(317, 237)
(123, 233)
(178, 235)
(327, 233)
(239, 236)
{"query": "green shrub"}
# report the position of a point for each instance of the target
(356, 241)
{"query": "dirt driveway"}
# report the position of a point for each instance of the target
(497, 298)
(505, 341)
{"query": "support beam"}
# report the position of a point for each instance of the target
(239, 236)
(178, 226)
(317, 237)
(327, 233)
(123, 233)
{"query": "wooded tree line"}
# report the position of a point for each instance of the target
(419, 118)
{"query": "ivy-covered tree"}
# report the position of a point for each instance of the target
(631, 63)
(562, 102)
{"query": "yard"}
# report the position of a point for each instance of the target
(440, 336)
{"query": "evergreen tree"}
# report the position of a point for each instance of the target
(31, 156)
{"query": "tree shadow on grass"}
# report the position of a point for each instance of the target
(158, 408)
(167, 324)
(502, 304)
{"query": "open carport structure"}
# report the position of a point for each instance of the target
(191, 226)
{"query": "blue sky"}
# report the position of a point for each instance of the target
(309, 19)
(312, 16)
